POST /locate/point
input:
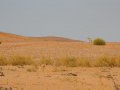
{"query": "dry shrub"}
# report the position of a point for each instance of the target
(118, 61)
(67, 61)
(46, 61)
(106, 61)
(103, 61)
(73, 62)
(21, 60)
(84, 62)
(3, 61)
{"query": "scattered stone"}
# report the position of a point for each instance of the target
(70, 74)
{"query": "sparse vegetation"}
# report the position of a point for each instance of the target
(3, 61)
(106, 61)
(68, 61)
(21, 60)
(103, 61)
(118, 61)
(73, 62)
(46, 61)
(99, 41)
(81, 62)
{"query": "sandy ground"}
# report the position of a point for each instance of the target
(58, 49)
(60, 78)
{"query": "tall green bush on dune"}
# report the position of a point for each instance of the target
(99, 41)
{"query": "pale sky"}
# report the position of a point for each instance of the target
(77, 19)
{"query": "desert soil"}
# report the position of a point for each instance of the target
(58, 49)
(60, 78)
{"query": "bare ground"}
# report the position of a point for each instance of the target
(61, 78)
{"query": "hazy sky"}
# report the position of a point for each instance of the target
(77, 19)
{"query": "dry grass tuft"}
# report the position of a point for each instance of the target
(46, 61)
(3, 61)
(106, 61)
(73, 62)
(118, 61)
(83, 62)
(67, 61)
(21, 60)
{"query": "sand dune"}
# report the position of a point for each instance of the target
(7, 37)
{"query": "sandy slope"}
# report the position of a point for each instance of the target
(8, 37)
(61, 78)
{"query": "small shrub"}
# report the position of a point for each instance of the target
(21, 60)
(118, 61)
(3, 61)
(105, 61)
(0, 42)
(99, 41)
(46, 61)
(84, 63)
(68, 61)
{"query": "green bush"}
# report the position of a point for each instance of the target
(99, 41)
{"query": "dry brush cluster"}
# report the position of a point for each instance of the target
(103, 61)
(16, 60)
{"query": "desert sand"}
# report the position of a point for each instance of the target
(57, 78)
(62, 78)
